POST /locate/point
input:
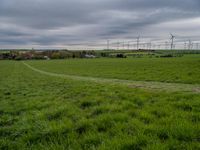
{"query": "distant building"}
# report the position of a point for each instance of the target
(46, 57)
(89, 56)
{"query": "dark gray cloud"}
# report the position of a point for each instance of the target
(50, 22)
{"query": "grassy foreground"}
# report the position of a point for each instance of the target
(43, 112)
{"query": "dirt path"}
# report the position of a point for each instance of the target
(170, 87)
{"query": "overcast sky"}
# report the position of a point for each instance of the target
(57, 23)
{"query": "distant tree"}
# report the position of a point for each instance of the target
(120, 56)
(104, 54)
(55, 55)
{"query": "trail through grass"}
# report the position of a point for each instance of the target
(175, 87)
(170, 70)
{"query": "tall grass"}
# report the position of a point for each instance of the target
(42, 112)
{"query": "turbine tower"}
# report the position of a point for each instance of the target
(172, 40)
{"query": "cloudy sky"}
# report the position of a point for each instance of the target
(59, 23)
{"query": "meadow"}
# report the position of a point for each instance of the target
(176, 70)
(44, 109)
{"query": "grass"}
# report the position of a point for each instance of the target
(45, 112)
(180, 70)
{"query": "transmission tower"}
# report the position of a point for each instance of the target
(138, 42)
(117, 45)
(128, 45)
(166, 45)
(197, 46)
(189, 45)
(108, 44)
(185, 45)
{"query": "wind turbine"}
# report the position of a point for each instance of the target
(172, 40)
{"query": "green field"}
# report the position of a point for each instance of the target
(180, 70)
(78, 104)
